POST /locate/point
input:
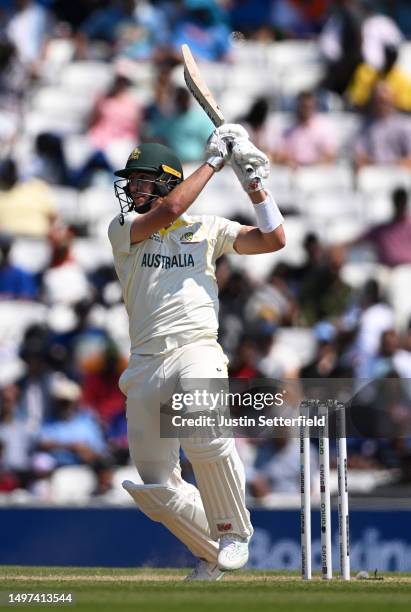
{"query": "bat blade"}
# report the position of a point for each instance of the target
(199, 89)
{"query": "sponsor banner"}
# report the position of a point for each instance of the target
(123, 537)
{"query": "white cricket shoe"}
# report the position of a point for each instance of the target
(233, 552)
(205, 570)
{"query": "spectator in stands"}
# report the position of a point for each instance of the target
(116, 116)
(325, 295)
(65, 280)
(391, 358)
(202, 26)
(341, 44)
(263, 132)
(374, 317)
(314, 260)
(366, 77)
(250, 17)
(254, 345)
(385, 136)
(72, 436)
(400, 11)
(392, 240)
(15, 283)
(105, 25)
(16, 437)
(8, 481)
(100, 391)
(149, 37)
(185, 129)
(234, 290)
(48, 161)
(310, 140)
(13, 83)
(277, 467)
(298, 18)
(27, 208)
(378, 32)
(325, 361)
(28, 29)
(34, 385)
(273, 301)
(117, 440)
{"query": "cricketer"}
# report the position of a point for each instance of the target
(165, 261)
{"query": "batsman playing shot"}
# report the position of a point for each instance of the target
(165, 261)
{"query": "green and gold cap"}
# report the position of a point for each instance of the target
(152, 157)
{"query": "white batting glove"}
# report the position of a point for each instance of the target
(232, 131)
(250, 165)
(216, 151)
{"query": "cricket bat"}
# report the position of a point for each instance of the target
(198, 88)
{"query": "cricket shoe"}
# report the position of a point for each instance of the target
(204, 571)
(233, 552)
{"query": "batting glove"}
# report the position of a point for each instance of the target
(250, 165)
(219, 144)
(216, 151)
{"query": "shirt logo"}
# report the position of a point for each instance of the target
(151, 260)
(224, 526)
(156, 236)
(187, 237)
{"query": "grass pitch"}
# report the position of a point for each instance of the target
(152, 590)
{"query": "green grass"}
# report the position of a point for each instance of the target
(152, 590)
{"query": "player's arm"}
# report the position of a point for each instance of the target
(251, 166)
(252, 240)
(166, 210)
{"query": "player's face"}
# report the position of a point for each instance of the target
(141, 186)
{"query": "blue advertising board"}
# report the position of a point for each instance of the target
(123, 537)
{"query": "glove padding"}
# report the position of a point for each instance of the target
(250, 165)
(218, 147)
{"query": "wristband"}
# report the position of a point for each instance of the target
(216, 162)
(268, 215)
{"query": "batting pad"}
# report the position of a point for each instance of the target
(181, 511)
(221, 482)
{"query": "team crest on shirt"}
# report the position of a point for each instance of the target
(156, 236)
(186, 238)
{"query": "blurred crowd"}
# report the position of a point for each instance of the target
(63, 333)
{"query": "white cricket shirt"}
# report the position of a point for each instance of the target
(168, 280)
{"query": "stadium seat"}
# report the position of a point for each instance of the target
(77, 149)
(72, 484)
(31, 254)
(86, 78)
(345, 125)
(16, 317)
(67, 203)
(319, 178)
(357, 274)
(58, 53)
(404, 59)
(329, 204)
(95, 202)
(299, 339)
(59, 103)
(91, 253)
(383, 178)
(377, 207)
(400, 295)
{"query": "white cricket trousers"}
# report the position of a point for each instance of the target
(147, 382)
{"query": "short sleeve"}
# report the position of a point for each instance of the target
(119, 233)
(224, 232)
